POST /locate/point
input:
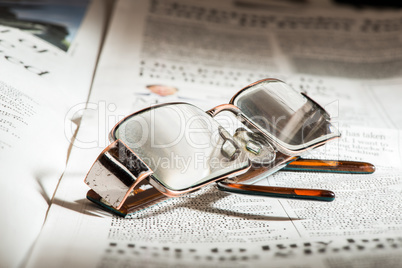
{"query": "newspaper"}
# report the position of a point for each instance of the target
(41, 48)
(204, 52)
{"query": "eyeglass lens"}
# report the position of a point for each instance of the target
(293, 120)
(183, 145)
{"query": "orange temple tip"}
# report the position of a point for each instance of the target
(331, 166)
(278, 192)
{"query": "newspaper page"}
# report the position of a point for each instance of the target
(203, 52)
(42, 45)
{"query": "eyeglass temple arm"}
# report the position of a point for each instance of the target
(277, 192)
(305, 165)
(330, 166)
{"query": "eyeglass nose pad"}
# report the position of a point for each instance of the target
(229, 148)
(258, 149)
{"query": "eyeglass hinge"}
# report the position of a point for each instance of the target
(116, 172)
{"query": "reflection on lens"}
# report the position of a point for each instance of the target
(285, 115)
(181, 144)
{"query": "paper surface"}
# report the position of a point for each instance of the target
(207, 52)
(37, 93)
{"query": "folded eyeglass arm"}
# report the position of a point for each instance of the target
(277, 192)
(301, 165)
(330, 166)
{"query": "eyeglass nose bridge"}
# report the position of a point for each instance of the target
(255, 148)
(259, 150)
(115, 173)
(223, 108)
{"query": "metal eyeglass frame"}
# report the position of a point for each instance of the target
(123, 183)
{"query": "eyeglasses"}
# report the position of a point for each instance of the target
(173, 149)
